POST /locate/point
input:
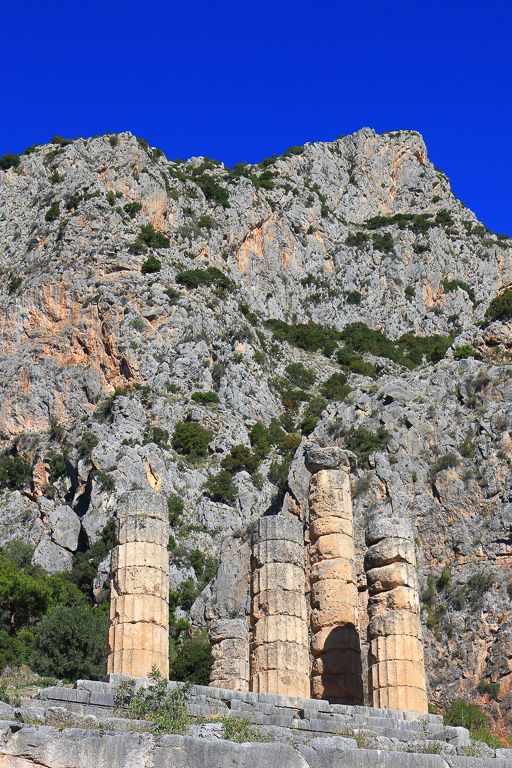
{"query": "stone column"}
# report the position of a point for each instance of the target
(335, 645)
(279, 647)
(396, 669)
(138, 636)
(229, 655)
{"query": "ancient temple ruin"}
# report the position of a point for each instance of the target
(286, 646)
(138, 638)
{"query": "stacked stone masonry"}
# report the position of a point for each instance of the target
(229, 654)
(279, 661)
(138, 637)
(335, 645)
(396, 670)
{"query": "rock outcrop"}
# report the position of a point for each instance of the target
(396, 668)
(335, 645)
(279, 646)
(138, 637)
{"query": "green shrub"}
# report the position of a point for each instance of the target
(149, 237)
(308, 336)
(354, 297)
(132, 209)
(315, 406)
(240, 458)
(278, 474)
(71, 643)
(205, 398)
(85, 446)
(356, 239)
(362, 442)
(221, 488)
(308, 425)
(212, 190)
(9, 161)
(410, 292)
(289, 445)
(448, 461)
(336, 387)
(192, 663)
(190, 439)
(300, 376)
(10, 650)
(463, 713)
(500, 307)
(192, 278)
(15, 471)
(53, 211)
(463, 351)
(443, 218)
(167, 709)
(453, 285)
(239, 730)
(152, 264)
(175, 507)
(14, 285)
(60, 141)
(477, 585)
(489, 689)
(58, 465)
(383, 242)
(260, 439)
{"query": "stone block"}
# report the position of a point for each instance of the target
(344, 615)
(331, 458)
(324, 526)
(388, 527)
(278, 601)
(337, 661)
(279, 528)
(280, 655)
(289, 577)
(289, 629)
(388, 551)
(278, 551)
(390, 576)
(395, 647)
(395, 623)
(331, 546)
(339, 568)
(337, 686)
(327, 593)
(397, 599)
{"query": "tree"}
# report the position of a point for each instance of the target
(9, 161)
(221, 487)
(190, 438)
(71, 642)
(22, 596)
(192, 662)
(240, 458)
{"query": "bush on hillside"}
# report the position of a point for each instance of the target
(190, 439)
(500, 307)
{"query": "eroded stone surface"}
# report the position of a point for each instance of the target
(138, 638)
(396, 668)
(279, 660)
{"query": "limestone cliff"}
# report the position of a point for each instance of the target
(105, 334)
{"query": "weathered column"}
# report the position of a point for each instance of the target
(335, 645)
(138, 636)
(396, 669)
(229, 654)
(279, 648)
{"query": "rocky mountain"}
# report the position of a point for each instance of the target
(153, 312)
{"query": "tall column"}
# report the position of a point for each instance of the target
(229, 654)
(138, 637)
(335, 645)
(279, 648)
(396, 668)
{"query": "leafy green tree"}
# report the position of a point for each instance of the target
(260, 439)
(221, 488)
(53, 211)
(10, 650)
(175, 507)
(190, 439)
(71, 643)
(15, 471)
(23, 596)
(336, 387)
(151, 265)
(500, 307)
(300, 376)
(192, 662)
(240, 458)
(9, 160)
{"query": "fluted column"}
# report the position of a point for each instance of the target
(335, 645)
(396, 668)
(279, 648)
(229, 654)
(138, 638)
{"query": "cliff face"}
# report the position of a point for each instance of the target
(363, 229)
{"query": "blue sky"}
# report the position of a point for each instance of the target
(240, 80)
